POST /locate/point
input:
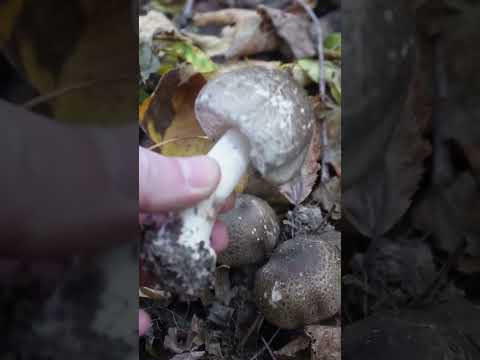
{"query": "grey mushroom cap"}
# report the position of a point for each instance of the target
(269, 108)
(300, 284)
(253, 230)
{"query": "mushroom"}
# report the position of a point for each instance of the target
(259, 116)
(253, 231)
(300, 284)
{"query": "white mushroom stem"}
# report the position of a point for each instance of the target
(232, 154)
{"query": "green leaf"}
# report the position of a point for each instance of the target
(174, 7)
(310, 66)
(200, 62)
(333, 41)
(333, 75)
(142, 95)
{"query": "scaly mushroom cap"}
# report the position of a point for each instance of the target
(253, 230)
(269, 108)
(300, 284)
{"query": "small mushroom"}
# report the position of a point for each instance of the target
(259, 116)
(300, 284)
(253, 231)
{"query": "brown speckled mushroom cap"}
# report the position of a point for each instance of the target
(300, 284)
(253, 231)
(269, 108)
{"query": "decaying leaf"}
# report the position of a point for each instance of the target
(293, 29)
(194, 355)
(170, 116)
(161, 296)
(173, 341)
(469, 264)
(210, 44)
(149, 25)
(244, 29)
(333, 75)
(223, 289)
(325, 342)
(452, 214)
(172, 7)
(328, 195)
(298, 189)
(297, 349)
(375, 204)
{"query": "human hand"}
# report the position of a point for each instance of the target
(167, 184)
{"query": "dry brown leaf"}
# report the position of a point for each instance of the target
(298, 189)
(451, 214)
(194, 355)
(378, 201)
(170, 118)
(325, 342)
(294, 349)
(329, 196)
(210, 44)
(170, 115)
(294, 30)
(162, 296)
(469, 264)
(244, 29)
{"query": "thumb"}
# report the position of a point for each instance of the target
(167, 183)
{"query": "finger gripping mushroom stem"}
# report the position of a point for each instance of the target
(259, 116)
(231, 154)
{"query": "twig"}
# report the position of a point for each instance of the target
(187, 10)
(270, 352)
(264, 347)
(59, 92)
(163, 143)
(250, 330)
(321, 87)
(325, 219)
(321, 59)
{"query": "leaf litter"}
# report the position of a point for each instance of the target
(177, 58)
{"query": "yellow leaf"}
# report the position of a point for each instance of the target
(170, 118)
(143, 108)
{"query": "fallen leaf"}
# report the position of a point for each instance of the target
(451, 213)
(183, 50)
(332, 75)
(194, 355)
(210, 44)
(223, 288)
(469, 264)
(150, 24)
(378, 201)
(293, 29)
(295, 349)
(170, 116)
(173, 341)
(245, 31)
(220, 314)
(329, 196)
(298, 189)
(325, 342)
(171, 7)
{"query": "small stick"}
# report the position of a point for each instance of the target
(163, 143)
(321, 60)
(321, 86)
(270, 352)
(264, 347)
(250, 330)
(59, 92)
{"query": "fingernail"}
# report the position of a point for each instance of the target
(201, 173)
